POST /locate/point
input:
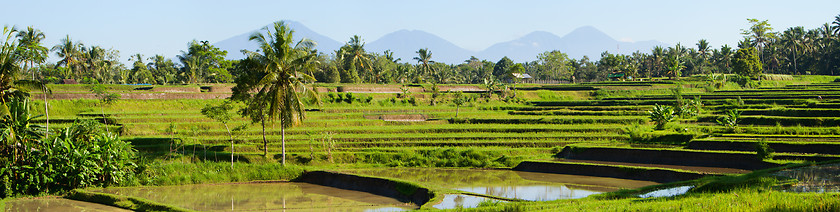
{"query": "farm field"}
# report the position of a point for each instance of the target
(585, 146)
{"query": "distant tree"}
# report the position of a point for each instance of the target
(424, 63)
(355, 60)
(554, 65)
(31, 51)
(203, 62)
(703, 53)
(745, 62)
(71, 55)
(500, 70)
(459, 99)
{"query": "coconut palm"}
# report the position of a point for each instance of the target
(30, 50)
(702, 54)
(356, 59)
(792, 39)
(70, 53)
(836, 24)
(9, 60)
(424, 62)
(285, 65)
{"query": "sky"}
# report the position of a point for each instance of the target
(165, 27)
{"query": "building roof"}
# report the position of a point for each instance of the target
(522, 75)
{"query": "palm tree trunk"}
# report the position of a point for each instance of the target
(283, 141)
(231, 146)
(265, 142)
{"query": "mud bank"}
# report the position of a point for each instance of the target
(599, 170)
(379, 186)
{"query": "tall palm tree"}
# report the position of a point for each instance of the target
(30, 49)
(424, 62)
(792, 38)
(836, 24)
(9, 60)
(703, 54)
(354, 54)
(70, 53)
(285, 65)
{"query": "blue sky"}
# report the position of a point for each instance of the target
(164, 27)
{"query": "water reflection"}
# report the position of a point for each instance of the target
(56, 204)
(509, 184)
(668, 192)
(263, 197)
(451, 201)
(823, 178)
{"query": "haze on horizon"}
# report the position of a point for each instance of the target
(165, 27)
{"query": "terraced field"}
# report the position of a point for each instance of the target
(587, 129)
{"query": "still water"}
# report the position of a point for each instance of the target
(263, 197)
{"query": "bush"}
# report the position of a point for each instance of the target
(731, 119)
(763, 150)
(79, 156)
(661, 115)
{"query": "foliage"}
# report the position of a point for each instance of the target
(459, 99)
(763, 150)
(730, 119)
(661, 115)
(746, 63)
(78, 156)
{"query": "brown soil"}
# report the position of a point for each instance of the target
(399, 117)
(59, 96)
(176, 89)
(701, 169)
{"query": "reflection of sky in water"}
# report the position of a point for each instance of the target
(532, 193)
(451, 201)
(823, 178)
(388, 209)
(668, 192)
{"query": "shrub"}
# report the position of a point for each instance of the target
(661, 115)
(731, 119)
(763, 150)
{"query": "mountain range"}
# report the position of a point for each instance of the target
(583, 41)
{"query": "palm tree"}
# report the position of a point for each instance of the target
(30, 49)
(355, 57)
(9, 60)
(792, 39)
(836, 24)
(703, 54)
(70, 53)
(285, 68)
(424, 62)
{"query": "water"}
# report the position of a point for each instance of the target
(451, 201)
(508, 184)
(668, 192)
(56, 204)
(823, 178)
(263, 197)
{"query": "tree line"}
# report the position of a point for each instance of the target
(795, 50)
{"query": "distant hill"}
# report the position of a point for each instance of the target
(582, 41)
(405, 43)
(235, 44)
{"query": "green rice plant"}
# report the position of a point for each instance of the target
(661, 115)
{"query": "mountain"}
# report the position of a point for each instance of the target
(582, 41)
(235, 44)
(586, 40)
(405, 43)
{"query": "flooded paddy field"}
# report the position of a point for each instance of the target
(508, 184)
(263, 197)
(56, 204)
(822, 178)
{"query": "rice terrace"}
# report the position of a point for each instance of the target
(291, 127)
